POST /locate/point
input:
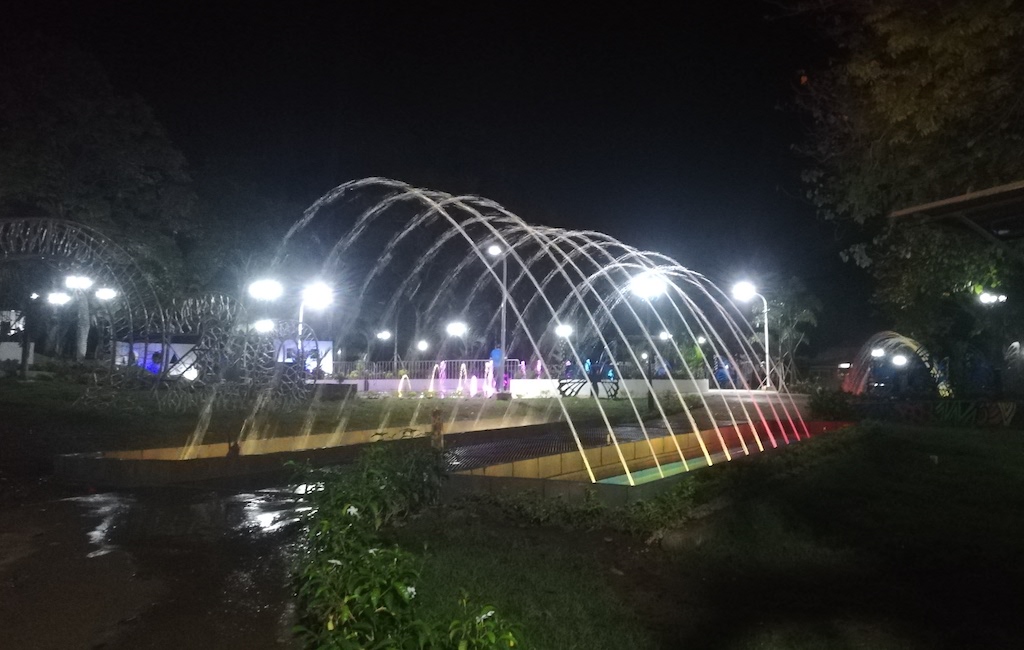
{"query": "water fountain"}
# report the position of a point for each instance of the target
(416, 256)
(892, 347)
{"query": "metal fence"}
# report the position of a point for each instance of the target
(448, 368)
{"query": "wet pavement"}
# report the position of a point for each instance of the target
(163, 569)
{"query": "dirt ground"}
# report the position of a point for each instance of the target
(120, 571)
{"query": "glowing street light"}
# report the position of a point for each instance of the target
(266, 289)
(264, 326)
(899, 360)
(987, 298)
(456, 328)
(877, 353)
(494, 251)
(58, 298)
(385, 335)
(664, 336)
(79, 282)
(563, 331)
(105, 293)
(422, 345)
(701, 340)
(648, 286)
(745, 292)
(316, 296)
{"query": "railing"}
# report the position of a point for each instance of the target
(448, 368)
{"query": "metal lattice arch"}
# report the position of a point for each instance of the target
(229, 363)
(73, 247)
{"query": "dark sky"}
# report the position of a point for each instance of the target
(669, 130)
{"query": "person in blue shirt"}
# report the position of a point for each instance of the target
(498, 367)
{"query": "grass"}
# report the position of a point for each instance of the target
(555, 588)
(875, 537)
(883, 537)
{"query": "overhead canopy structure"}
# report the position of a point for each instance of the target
(996, 213)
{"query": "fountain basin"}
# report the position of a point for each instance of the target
(564, 475)
(265, 459)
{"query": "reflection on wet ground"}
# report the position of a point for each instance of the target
(175, 568)
(151, 569)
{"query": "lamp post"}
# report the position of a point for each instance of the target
(745, 292)
(316, 296)
(457, 329)
(78, 285)
(648, 286)
(494, 251)
(385, 335)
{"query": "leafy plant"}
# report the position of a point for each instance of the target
(356, 592)
(831, 405)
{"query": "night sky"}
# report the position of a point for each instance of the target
(668, 130)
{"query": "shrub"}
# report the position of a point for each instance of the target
(831, 405)
(356, 592)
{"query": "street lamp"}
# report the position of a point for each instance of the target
(563, 331)
(58, 298)
(456, 328)
(264, 326)
(105, 293)
(494, 251)
(385, 335)
(745, 292)
(987, 298)
(422, 345)
(315, 296)
(266, 289)
(648, 286)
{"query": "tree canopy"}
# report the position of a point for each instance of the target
(919, 101)
(72, 147)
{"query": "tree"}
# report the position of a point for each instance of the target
(920, 101)
(72, 148)
(792, 312)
